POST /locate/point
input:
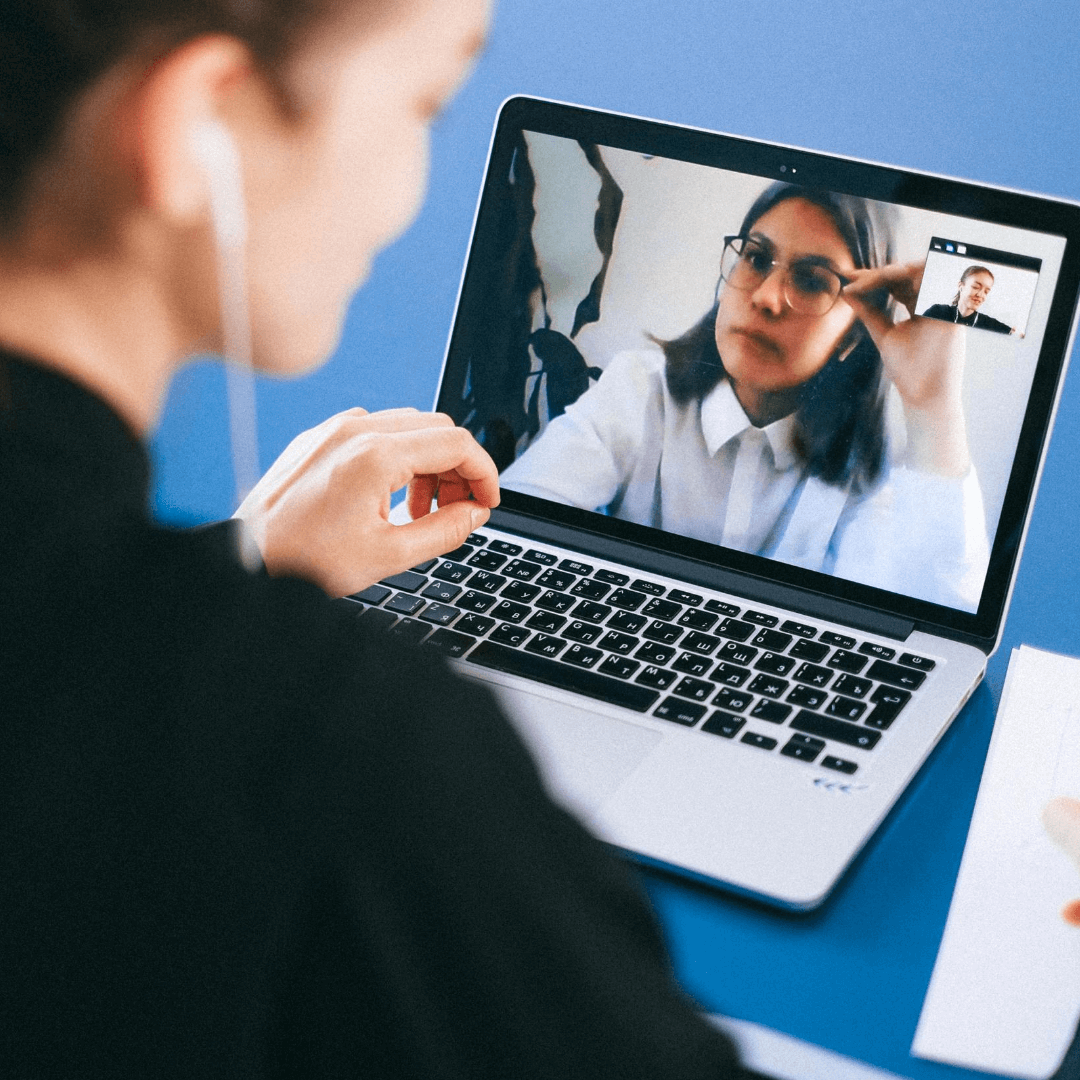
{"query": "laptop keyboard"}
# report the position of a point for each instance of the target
(766, 680)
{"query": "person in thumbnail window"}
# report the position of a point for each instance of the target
(971, 293)
(762, 428)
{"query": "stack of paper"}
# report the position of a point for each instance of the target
(1005, 993)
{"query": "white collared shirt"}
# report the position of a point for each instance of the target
(704, 471)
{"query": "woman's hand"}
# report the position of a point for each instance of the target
(1061, 819)
(322, 510)
(924, 358)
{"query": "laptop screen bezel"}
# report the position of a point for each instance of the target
(867, 180)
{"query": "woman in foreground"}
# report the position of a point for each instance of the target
(236, 839)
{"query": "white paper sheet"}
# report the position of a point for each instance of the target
(1005, 993)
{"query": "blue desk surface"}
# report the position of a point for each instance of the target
(990, 92)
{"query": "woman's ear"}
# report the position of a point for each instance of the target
(181, 96)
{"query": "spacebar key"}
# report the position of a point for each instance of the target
(499, 658)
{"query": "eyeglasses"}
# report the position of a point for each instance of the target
(808, 286)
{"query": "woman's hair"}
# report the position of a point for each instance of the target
(964, 276)
(840, 426)
(53, 50)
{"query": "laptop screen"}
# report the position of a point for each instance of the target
(748, 355)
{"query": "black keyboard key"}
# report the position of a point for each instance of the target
(380, 618)
(485, 581)
(843, 660)
(803, 748)
(799, 629)
(460, 554)
(479, 539)
(520, 591)
(664, 632)
(775, 665)
(661, 609)
(680, 712)
(477, 625)
(872, 648)
(439, 614)
(450, 642)
(852, 686)
(441, 590)
(406, 582)
(695, 689)
(611, 577)
(723, 724)
(564, 676)
(504, 548)
(700, 643)
(888, 701)
(839, 764)
(403, 604)
(587, 611)
(846, 708)
(584, 632)
(721, 608)
(773, 640)
(575, 567)
(760, 618)
(543, 645)
(809, 650)
(373, 594)
(627, 621)
(736, 653)
(521, 570)
(543, 557)
(729, 674)
(486, 560)
(648, 587)
(807, 697)
(653, 652)
(763, 742)
(769, 685)
(582, 656)
(656, 677)
(895, 675)
(690, 599)
(555, 601)
(839, 640)
(920, 663)
(622, 667)
(511, 635)
(547, 621)
(698, 620)
(410, 631)
(451, 571)
(813, 675)
(424, 567)
(591, 589)
(690, 664)
(627, 599)
(826, 727)
(475, 601)
(555, 579)
(613, 641)
(510, 612)
(772, 711)
(736, 630)
(735, 700)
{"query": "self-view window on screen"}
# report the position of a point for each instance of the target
(762, 366)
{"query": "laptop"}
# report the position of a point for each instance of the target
(762, 510)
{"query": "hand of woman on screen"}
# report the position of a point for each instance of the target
(924, 358)
(1061, 819)
(322, 510)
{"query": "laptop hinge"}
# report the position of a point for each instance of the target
(706, 575)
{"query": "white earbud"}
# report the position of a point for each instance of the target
(219, 158)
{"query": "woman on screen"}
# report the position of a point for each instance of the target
(971, 293)
(762, 428)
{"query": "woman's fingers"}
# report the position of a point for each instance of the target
(902, 281)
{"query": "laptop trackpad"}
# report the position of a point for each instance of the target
(584, 756)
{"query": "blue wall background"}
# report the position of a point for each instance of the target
(989, 91)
